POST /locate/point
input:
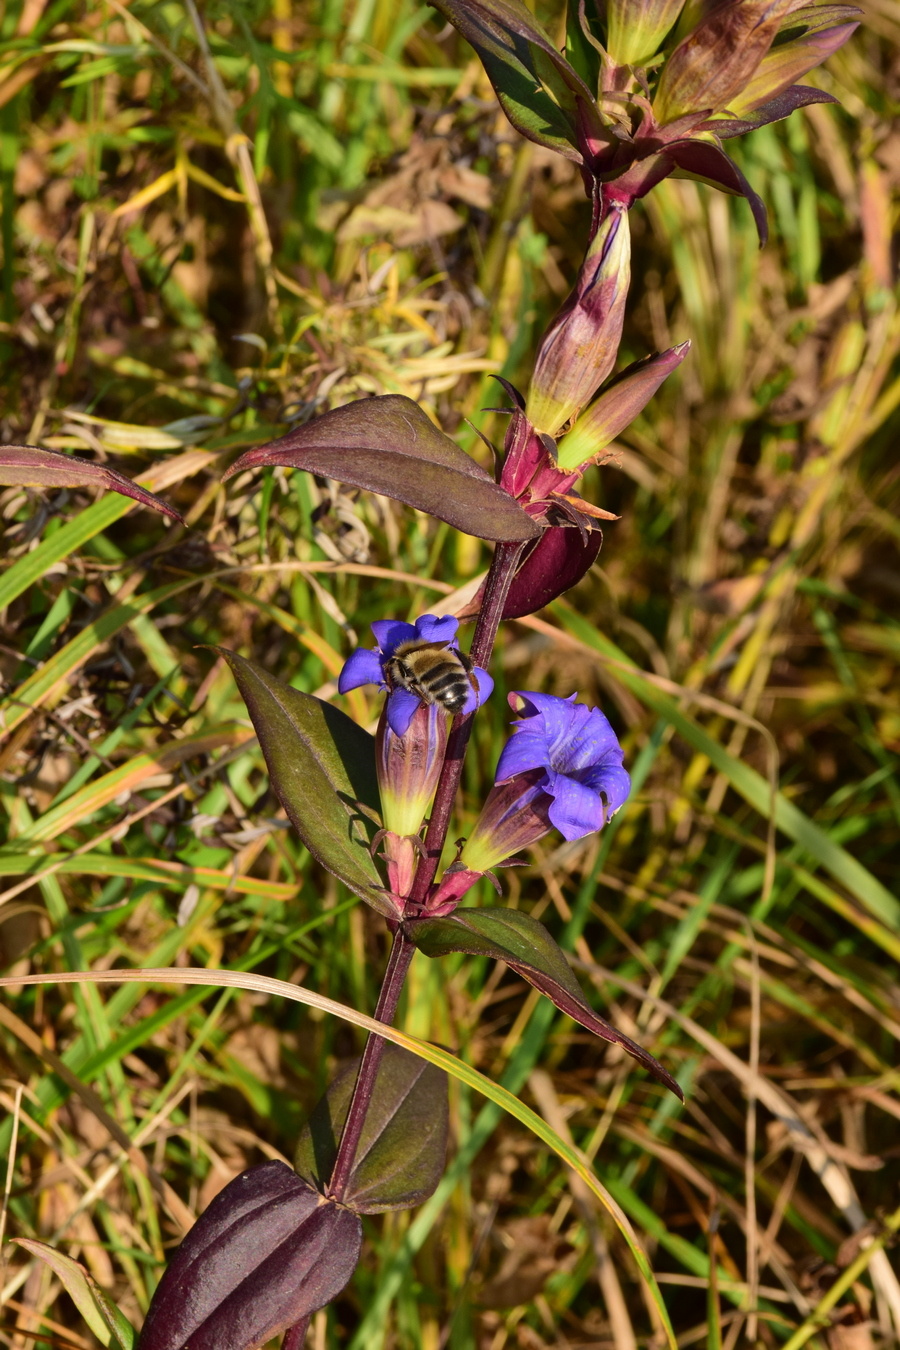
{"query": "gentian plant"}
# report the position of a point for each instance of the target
(645, 89)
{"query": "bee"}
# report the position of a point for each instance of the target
(434, 671)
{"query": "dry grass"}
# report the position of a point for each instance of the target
(173, 292)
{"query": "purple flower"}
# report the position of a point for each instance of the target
(580, 755)
(561, 768)
(365, 666)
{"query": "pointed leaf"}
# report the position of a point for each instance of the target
(101, 1315)
(33, 467)
(388, 445)
(787, 62)
(710, 164)
(537, 88)
(775, 110)
(403, 1147)
(322, 764)
(268, 1251)
(527, 948)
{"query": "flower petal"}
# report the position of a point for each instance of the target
(576, 809)
(590, 741)
(389, 633)
(480, 695)
(361, 667)
(401, 706)
(523, 751)
(431, 628)
(612, 781)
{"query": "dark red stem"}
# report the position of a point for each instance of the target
(496, 588)
(391, 989)
(296, 1335)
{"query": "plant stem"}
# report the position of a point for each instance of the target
(496, 588)
(296, 1334)
(391, 988)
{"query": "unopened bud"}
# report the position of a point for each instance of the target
(718, 59)
(580, 347)
(636, 28)
(616, 407)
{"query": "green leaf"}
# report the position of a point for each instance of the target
(403, 1146)
(528, 949)
(322, 767)
(389, 445)
(102, 1316)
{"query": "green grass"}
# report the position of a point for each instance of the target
(739, 916)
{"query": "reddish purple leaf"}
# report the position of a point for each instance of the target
(527, 948)
(403, 1146)
(542, 95)
(268, 1251)
(710, 164)
(775, 110)
(388, 445)
(32, 467)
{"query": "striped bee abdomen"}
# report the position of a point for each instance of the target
(433, 671)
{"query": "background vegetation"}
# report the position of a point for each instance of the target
(215, 224)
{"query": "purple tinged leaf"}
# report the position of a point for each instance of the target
(268, 1251)
(709, 164)
(527, 948)
(803, 18)
(617, 406)
(788, 62)
(718, 58)
(388, 445)
(799, 96)
(541, 94)
(403, 1148)
(322, 766)
(32, 467)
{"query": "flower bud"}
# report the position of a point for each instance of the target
(718, 59)
(788, 62)
(580, 346)
(616, 407)
(409, 766)
(636, 28)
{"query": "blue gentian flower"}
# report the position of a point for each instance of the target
(580, 755)
(560, 769)
(365, 666)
